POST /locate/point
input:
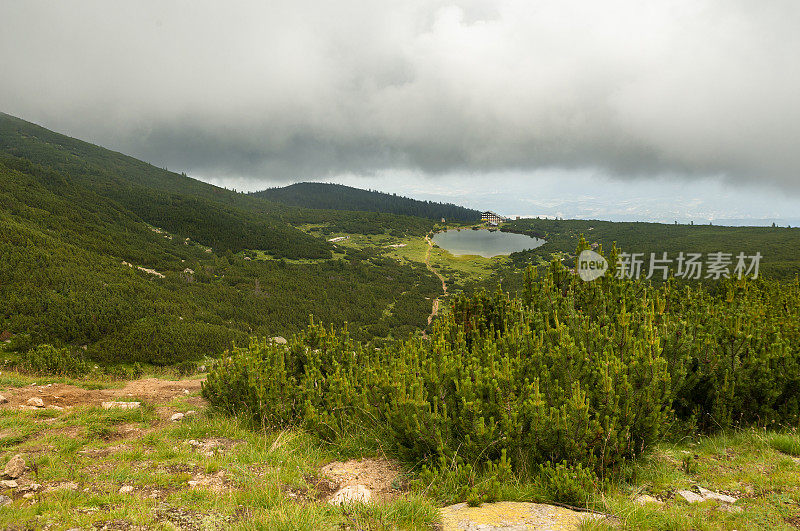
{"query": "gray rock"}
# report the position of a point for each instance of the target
(4, 500)
(31, 487)
(711, 495)
(690, 496)
(15, 467)
(8, 484)
(125, 489)
(176, 417)
(278, 340)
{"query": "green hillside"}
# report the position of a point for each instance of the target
(210, 215)
(140, 264)
(340, 197)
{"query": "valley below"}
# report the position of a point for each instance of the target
(176, 355)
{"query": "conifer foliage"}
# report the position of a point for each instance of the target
(586, 374)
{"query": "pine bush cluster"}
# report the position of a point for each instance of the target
(568, 375)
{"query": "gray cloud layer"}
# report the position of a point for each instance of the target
(307, 89)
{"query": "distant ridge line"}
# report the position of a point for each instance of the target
(333, 196)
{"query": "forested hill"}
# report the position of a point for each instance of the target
(216, 217)
(120, 261)
(340, 197)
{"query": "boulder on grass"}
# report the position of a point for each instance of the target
(15, 467)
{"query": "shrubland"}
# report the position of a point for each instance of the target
(562, 385)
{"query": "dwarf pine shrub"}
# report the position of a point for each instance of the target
(583, 375)
(47, 359)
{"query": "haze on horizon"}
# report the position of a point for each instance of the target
(685, 110)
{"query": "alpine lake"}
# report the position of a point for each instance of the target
(483, 242)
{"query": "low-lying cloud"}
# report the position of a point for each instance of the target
(309, 89)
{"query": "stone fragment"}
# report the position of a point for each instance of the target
(15, 467)
(35, 401)
(3, 400)
(690, 496)
(711, 495)
(8, 484)
(4, 500)
(125, 489)
(176, 417)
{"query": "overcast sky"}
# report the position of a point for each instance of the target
(702, 97)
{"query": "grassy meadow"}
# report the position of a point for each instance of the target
(250, 478)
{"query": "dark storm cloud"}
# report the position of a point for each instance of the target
(309, 89)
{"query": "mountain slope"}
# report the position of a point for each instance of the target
(99, 250)
(340, 197)
(213, 216)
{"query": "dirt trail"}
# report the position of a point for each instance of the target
(62, 395)
(435, 308)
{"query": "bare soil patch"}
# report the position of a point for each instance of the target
(381, 476)
(152, 390)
